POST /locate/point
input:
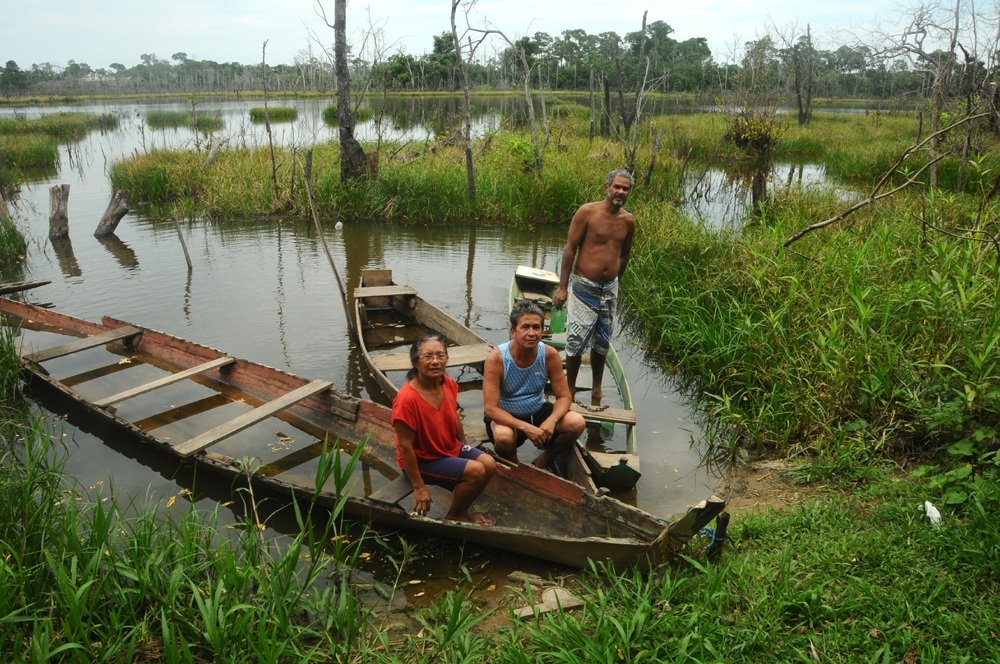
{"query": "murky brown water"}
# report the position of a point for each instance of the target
(265, 291)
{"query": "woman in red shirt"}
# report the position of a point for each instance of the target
(430, 441)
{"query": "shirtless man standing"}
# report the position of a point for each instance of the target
(597, 251)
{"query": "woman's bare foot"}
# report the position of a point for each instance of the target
(474, 519)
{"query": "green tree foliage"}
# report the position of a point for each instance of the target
(12, 79)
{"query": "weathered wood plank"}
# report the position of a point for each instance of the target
(457, 356)
(394, 491)
(615, 415)
(383, 291)
(250, 418)
(18, 286)
(83, 344)
(163, 382)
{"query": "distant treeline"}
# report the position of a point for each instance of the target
(575, 60)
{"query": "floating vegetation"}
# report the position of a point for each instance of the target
(277, 114)
(64, 126)
(362, 114)
(177, 119)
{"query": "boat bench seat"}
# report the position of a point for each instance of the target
(394, 491)
(85, 343)
(383, 291)
(457, 356)
(614, 415)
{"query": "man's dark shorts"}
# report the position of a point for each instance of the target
(535, 420)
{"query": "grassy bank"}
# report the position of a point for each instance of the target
(854, 573)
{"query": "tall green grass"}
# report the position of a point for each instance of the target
(362, 114)
(84, 577)
(21, 151)
(847, 578)
(64, 126)
(274, 113)
(13, 244)
(202, 121)
(870, 332)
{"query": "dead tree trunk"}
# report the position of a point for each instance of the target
(352, 156)
(606, 115)
(470, 171)
(592, 114)
(58, 211)
(117, 208)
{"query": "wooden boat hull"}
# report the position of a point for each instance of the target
(611, 470)
(380, 303)
(537, 513)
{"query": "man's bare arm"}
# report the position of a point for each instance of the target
(626, 251)
(574, 238)
(560, 387)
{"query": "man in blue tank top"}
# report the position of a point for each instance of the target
(514, 401)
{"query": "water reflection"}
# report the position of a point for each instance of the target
(722, 197)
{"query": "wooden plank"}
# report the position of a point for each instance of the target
(471, 354)
(83, 344)
(394, 491)
(536, 297)
(383, 291)
(18, 286)
(457, 356)
(445, 325)
(250, 418)
(615, 415)
(163, 382)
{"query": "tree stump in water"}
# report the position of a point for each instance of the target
(117, 208)
(58, 211)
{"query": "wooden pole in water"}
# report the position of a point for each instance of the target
(117, 208)
(58, 211)
(180, 236)
(307, 173)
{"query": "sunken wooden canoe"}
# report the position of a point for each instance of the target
(618, 470)
(389, 317)
(197, 403)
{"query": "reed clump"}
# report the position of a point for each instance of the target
(200, 121)
(274, 113)
(13, 245)
(361, 114)
(22, 151)
(62, 126)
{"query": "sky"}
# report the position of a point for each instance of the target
(99, 33)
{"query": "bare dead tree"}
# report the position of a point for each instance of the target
(470, 172)
(877, 192)
(353, 161)
(928, 43)
(535, 141)
(800, 56)
(267, 122)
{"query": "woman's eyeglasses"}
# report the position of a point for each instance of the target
(440, 357)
